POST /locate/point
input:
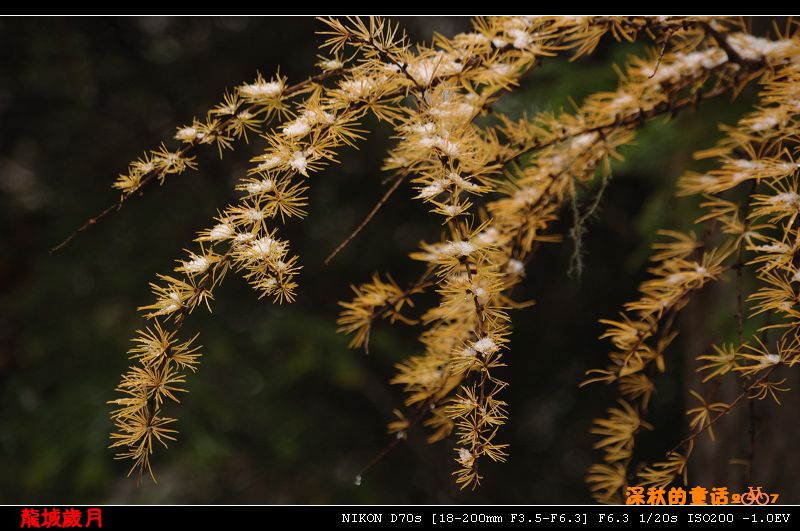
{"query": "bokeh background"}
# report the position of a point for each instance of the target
(280, 410)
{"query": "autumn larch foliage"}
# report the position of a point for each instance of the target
(496, 185)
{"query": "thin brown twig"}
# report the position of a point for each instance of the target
(696, 433)
(377, 458)
(382, 201)
(751, 409)
(661, 54)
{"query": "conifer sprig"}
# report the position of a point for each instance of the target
(495, 185)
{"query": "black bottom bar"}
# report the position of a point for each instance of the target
(396, 517)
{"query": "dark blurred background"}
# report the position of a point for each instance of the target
(280, 410)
